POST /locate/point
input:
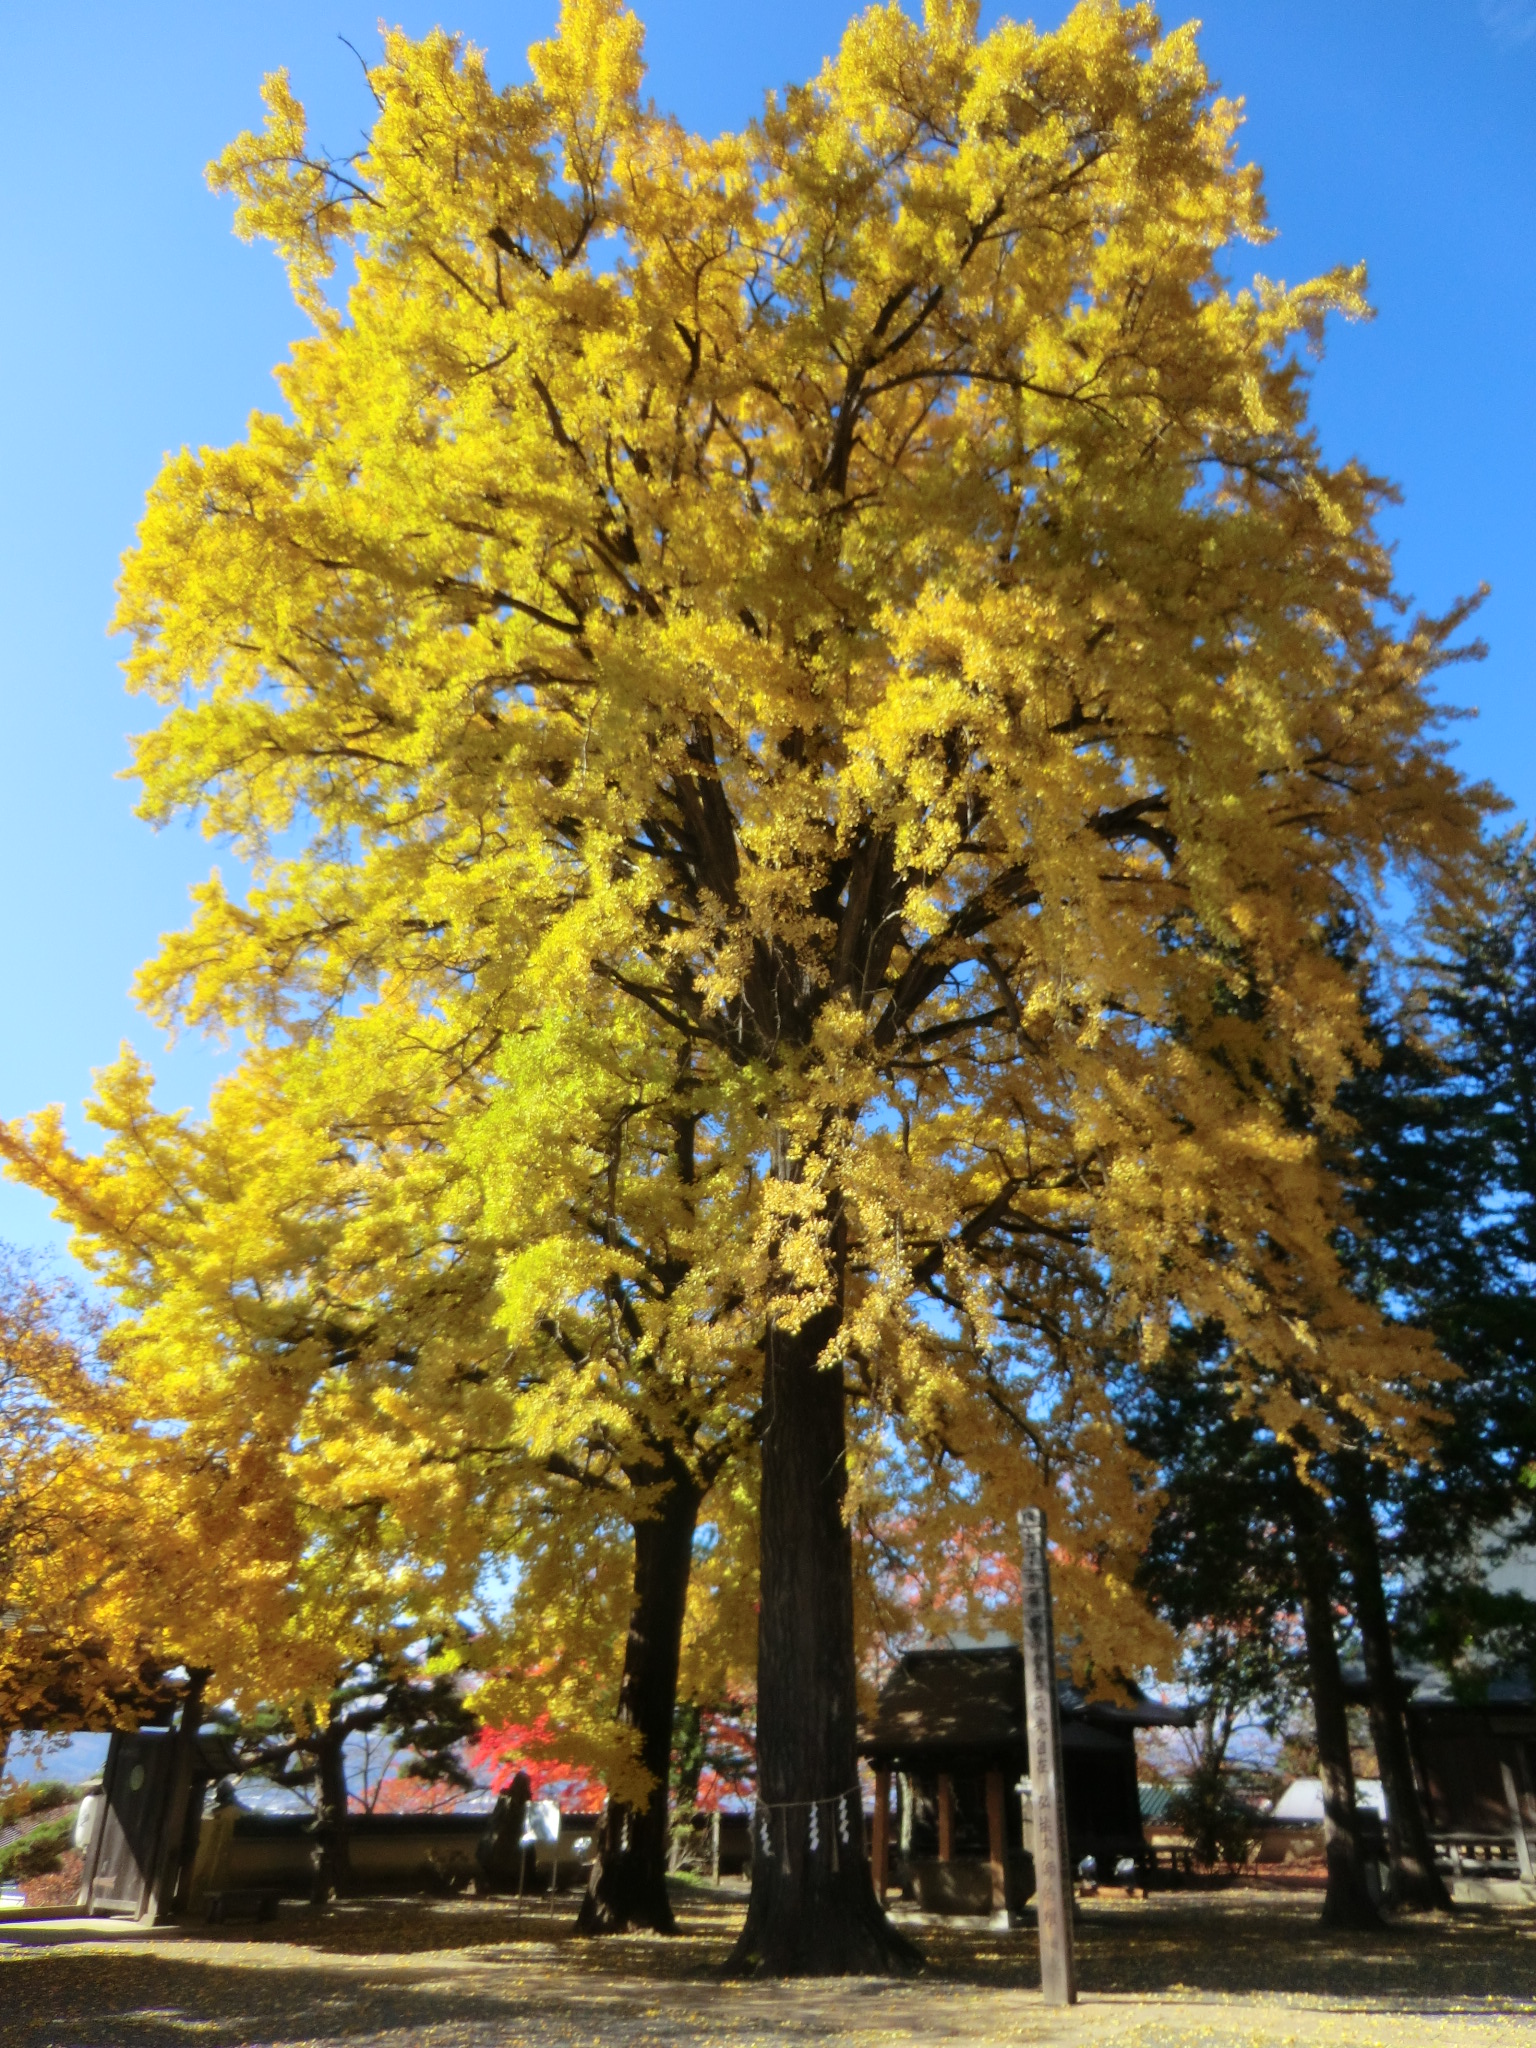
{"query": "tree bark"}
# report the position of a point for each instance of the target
(813, 1910)
(333, 1861)
(628, 1885)
(1347, 1902)
(1416, 1884)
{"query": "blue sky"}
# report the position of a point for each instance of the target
(1400, 131)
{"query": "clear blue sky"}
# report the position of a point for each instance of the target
(1400, 131)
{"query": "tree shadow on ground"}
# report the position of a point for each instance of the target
(1262, 1945)
(123, 1999)
(471, 1975)
(542, 1928)
(1223, 1943)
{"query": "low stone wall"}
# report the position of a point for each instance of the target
(393, 1852)
(1290, 1843)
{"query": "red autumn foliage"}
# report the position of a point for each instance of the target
(729, 1774)
(498, 1754)
(398, 1794)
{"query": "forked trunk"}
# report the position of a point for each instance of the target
(1416, 1884)
(813, 1910)
(1348, 1901)
(628, 1884)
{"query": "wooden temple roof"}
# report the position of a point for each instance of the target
(941, 1702)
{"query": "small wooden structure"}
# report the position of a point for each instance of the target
(948, 1732)
(145, 1821)
(78, 1687)
(1474, 1757)
(1476, 1763)
(142, 1860)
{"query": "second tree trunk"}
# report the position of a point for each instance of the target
(628, 1884)
(1348, 1901)
(1415, 1881)
(332, 1855)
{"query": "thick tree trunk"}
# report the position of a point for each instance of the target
(333, 1861)
(1416, 1884)
(1348, 1902)
(628, 1885)
(813, 1910)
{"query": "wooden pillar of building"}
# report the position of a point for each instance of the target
(997, 1841)
(879, 1848)
(946, 1818)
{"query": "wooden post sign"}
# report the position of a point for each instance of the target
(1053, 1878)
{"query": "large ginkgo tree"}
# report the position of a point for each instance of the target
(860, 598)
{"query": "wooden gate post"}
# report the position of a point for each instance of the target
(1053, 1877)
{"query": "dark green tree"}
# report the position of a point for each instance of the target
(410, 1707)
(1446, 1197)
(1244, 1559)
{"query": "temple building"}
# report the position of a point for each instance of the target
(948, 1736)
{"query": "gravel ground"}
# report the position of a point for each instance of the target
(1216, 1969)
